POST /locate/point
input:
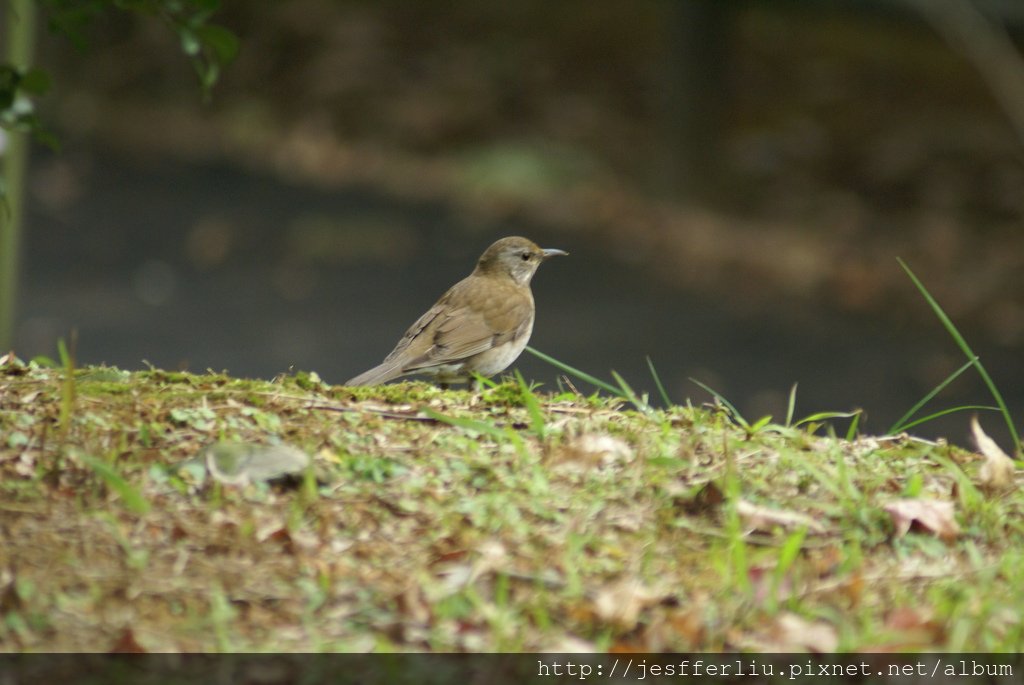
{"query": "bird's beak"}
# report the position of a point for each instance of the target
(549, 253)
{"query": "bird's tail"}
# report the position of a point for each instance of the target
(377, 375)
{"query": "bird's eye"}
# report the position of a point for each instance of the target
(525, 256)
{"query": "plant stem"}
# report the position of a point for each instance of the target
(20, 18)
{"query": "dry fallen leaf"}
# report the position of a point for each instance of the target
(599, 450)
(707, 499)
(853, 588)
(917, 626)
(127, 644)
(796, 634)
(413, 605)
(765, 518)
(908, 629)
(491, 557)
(10, 600)
(570, 644)
(998, 470)
(621, 602)
(931, 515)
(764, 585)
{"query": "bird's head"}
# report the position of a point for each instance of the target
(517, 257)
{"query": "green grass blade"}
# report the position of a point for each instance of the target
(630, 395)
(900, 424)
(825, 480)
(68, 390)
(759, 424)
(787, 556)
(944, 412)
(658, 384)
(846, 480)
(968, 494)
(825, 415)
(851, 432)
(968, 352)
(572, 371)
(65, 357)
(132, 498)
(537, 423)
(791, 406)
(725, 403)
(738, 557)
(484, 381)
(481, 427)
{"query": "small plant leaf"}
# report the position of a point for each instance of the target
(35, 82)
(220, 40)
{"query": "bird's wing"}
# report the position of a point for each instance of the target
(442, 335)
(487, 318)
(417, 340)
(448, 334)
(461, 333)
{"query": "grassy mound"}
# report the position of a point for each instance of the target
(500, 520)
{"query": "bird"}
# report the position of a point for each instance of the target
(480, 325)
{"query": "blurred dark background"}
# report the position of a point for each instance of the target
(734, 180)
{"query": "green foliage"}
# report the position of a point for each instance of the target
(209, 47)
(17, 88)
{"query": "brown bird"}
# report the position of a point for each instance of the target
(480, 325)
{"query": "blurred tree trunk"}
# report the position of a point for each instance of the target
(697, 95)
(19, 18)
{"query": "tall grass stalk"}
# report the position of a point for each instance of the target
(966, 349)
